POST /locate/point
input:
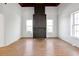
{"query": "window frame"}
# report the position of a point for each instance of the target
(29, 26)
(73, 31)
(50, 26)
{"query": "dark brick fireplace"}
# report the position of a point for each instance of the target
(39, 21)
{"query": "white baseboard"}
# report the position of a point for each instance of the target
(7, 44)
(73, 44)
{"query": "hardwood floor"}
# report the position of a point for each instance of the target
(39, 47)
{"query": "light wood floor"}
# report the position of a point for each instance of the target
(36, 47)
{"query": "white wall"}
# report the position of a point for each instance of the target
(1, 27)
(10, 23)
(27, 14)
(51, 13)
(64, 12)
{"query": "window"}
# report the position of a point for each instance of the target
(29, 25)
(49, 25)
(75, 24)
